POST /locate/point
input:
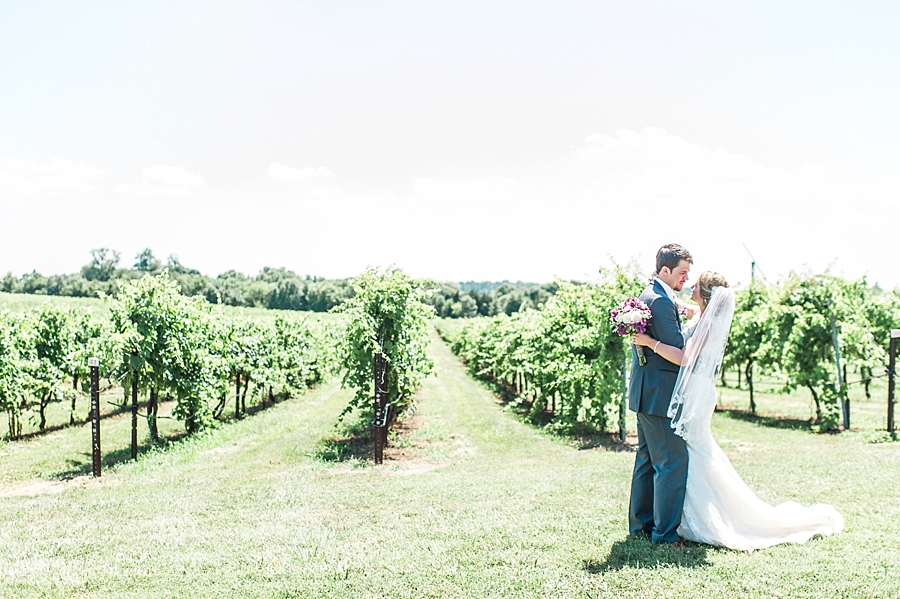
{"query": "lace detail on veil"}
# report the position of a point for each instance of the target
(694, 397)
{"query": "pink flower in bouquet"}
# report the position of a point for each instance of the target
(632, 317)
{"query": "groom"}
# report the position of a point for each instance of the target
(660, 466)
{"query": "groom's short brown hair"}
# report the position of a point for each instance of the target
(670, 255)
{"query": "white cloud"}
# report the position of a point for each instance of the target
(60, 176)
(485, 193)
(280, 172)
(173, 175)
(656, 187)
(166, 181)
(664, 174)
(322, 191)
(146, 190)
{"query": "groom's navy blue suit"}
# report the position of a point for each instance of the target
(660, 466)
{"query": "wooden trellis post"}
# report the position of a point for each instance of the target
(94, 365)
(134, 415)
(381, 406)
(623, 402)
(892, 362)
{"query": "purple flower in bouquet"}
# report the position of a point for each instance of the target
(632, 317)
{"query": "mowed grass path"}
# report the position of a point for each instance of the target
(487, 507)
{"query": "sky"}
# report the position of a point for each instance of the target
(455, 140)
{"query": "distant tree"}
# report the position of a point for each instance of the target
(227, 288)
(34, 282)
(482, 301)
(256, 294)
(190, 280)
(10, 284)
(464, 307)
(147, 262)
(102, 266)
(176, 267)
(510, 300)
(288, 294)
(273, 275)
(322, 295)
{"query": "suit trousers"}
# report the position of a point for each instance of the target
(659, 480)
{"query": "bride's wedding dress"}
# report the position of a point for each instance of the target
(719, 508)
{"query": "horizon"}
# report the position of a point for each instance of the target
(461, 282)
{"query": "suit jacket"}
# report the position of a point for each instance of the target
(653, 383)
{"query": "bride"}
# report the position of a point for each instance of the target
(719, 508)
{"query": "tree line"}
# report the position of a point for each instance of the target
(272, 288)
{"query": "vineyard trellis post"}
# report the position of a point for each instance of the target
(94, 365)
(844, 398)
(381, 406)
(134, 415)
(892, 362)
(624, 400)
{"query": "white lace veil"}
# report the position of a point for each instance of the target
(700, 364)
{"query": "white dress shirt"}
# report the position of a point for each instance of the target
(666, 288)
(688, 328)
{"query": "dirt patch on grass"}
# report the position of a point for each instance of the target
(231, 446)
(50, 487)
(412, 447)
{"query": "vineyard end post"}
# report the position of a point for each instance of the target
(134, 413)
(892, 362)
(381, 395)
(624, 401)
(94, 365)
(845, 401)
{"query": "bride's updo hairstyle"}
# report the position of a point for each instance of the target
(707, 281)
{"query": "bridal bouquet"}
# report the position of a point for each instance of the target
(632, 317)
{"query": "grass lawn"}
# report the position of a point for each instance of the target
(481, 505)
(868, 416)
(22, 302)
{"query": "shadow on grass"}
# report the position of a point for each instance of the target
(80, 467)
(767, 421)
(639, 552)
(117, 411)
(605, 441)
(227, 414)
(581, 435)
(350, 441)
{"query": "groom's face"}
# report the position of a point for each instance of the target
(678, 277)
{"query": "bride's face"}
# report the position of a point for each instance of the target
(695, 293)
